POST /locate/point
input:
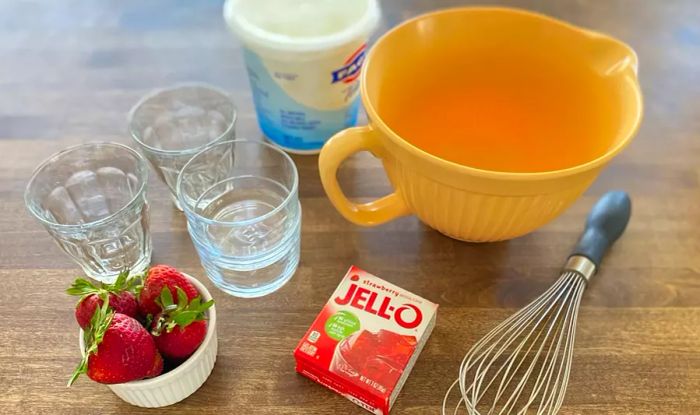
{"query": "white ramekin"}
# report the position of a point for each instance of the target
(181, 382)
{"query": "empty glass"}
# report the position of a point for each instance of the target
(91, 198)
(241, 201)
(172, 125)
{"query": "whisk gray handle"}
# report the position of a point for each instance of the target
(606, 222)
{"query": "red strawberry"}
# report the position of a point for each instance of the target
(117, 349)
(180, 328)
(157, 368)
(160, 276)
(121, 299)
(181, 343)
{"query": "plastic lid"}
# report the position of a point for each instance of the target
(243, 18)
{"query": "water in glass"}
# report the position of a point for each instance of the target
(244, 217)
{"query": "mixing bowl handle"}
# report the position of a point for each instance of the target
(334, 152)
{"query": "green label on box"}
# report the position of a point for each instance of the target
(342, 324)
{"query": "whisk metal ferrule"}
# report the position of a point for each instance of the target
(581, 265)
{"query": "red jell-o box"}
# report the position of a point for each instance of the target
(365, 340)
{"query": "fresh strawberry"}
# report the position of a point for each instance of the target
(156, 278)
(157, 368)
(117, 349)
(121, 299)
(180, 328)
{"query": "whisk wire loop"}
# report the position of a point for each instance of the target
(534, 345)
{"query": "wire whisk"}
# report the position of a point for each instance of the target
(523, 365)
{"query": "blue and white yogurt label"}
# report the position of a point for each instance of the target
(301, 104)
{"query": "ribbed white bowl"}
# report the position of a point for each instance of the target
(181, 382)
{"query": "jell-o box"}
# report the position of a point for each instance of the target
(366, 339)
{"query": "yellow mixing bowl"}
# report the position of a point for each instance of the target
(463, 202)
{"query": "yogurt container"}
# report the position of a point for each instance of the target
(303, 59)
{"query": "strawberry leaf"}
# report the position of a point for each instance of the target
(99, 324)
(166, 298)
(79, 370)
(185, 318)
(82, 287)
(125, 282)
(136, 283)
(181, 297)
(120, 283)
(182, 315)
(93, 336)
(205, 306)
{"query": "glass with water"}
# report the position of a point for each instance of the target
(172, 125)
(243, 214)
(92, 200)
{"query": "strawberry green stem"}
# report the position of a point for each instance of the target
(83, 288)
(93, 336)
(181, 314)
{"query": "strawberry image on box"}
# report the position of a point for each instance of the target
(366, 339)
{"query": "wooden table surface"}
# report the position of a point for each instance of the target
(70, 71)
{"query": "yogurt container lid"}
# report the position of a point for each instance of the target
(301, 25)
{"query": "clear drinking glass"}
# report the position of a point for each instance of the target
(243, 213)
(91, 198)
(172, 125)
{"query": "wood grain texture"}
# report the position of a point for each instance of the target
(70, 71)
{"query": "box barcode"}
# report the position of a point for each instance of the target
(314, 336)
(309, 349)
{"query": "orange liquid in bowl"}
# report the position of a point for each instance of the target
(512, 111)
